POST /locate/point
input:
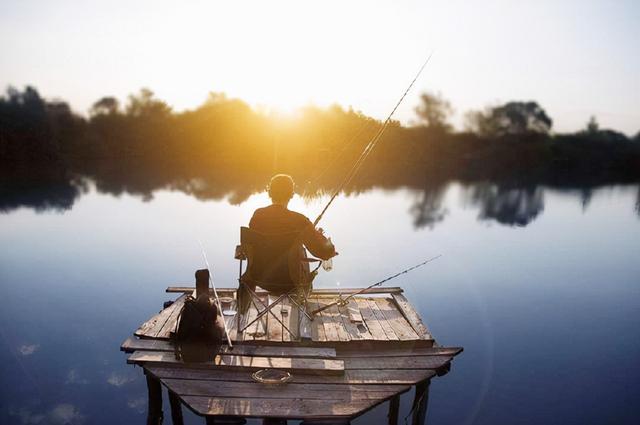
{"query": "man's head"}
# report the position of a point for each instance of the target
(281, 188)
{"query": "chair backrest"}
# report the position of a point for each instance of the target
(273, 260)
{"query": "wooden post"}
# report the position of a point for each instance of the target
(420, 403)
(394, 408)
(202, 282)
(176, 408)
(154, 415)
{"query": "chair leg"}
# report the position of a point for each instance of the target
(300, 307)
(267, 310)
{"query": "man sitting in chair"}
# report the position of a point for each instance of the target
(276, 218)
(274, 247)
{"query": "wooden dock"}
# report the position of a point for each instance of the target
(346, 361)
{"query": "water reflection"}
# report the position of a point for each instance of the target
(50, 189)
(427, 209)
(512, 206)
(40, 190)
(79, 283)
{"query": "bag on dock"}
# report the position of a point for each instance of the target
(197, 338)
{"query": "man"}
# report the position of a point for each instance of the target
(276, 218)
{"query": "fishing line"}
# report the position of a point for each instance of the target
(365, 125)
(215, 293)
(343, 301)
(369, 147)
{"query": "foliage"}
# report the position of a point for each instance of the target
(145, 146)
(434, 112)
(510, 119)
(105, 106)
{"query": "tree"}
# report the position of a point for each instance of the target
(434, 111)
(513, 118)
(146, 105)
(108, 105)
(592, 126)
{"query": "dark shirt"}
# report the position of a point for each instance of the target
(278, 219)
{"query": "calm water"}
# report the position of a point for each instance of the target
(541, 288)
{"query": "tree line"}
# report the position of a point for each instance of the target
(225, 146)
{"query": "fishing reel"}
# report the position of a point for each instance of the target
(341, 302)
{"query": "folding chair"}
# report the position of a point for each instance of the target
(278, 264)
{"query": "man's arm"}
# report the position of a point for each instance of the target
(317, 243)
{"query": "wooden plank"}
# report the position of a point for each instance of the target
(151, 327)
(356, 331)
(317, 324)
(349, 291)
(328, 366)
(317, 291)
(305, 327)
(249, 333)
(281, 351)
(364, 377)
(132, 344)
(370, 321)
(292, 320)
(333, 327)
(246, 363)
(347, 351)
(415, 362)
(400, 326)
(279, 408)
(240, 336)
(290, 391)
(187, 289)
(354, 311)
(274, 328)
(386, 327)
(412, 316)
(261, 332)
(172, 321)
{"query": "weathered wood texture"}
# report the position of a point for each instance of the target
(246, 363)
(160, 325)
(289, 391)
(365, 377)
(317, 291)
(382, 318)
(358, 356)
(412, 316)
(299, 408)
(364, 384)
(132, 344)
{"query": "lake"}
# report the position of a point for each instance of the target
(540, 286)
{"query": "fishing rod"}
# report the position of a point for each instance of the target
(215, 293)
(344, 301)
(364, 126)
(369, 147)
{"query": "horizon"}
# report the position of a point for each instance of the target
(286, 56)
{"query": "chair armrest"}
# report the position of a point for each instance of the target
(240, 255)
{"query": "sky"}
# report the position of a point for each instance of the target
(576, 58)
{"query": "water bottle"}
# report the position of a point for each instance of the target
(327, 265)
